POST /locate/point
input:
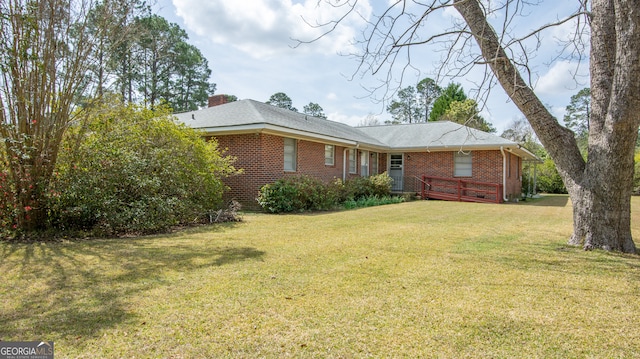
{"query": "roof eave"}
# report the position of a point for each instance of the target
(279, 131)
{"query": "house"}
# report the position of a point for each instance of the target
(435, 159)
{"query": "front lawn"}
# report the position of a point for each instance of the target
(418, 279)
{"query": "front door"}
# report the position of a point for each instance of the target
(396, 171)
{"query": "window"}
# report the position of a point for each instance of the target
(290, 154)
(374, 163)
(352, 161)
(462, 165)
(329, 155)
(364, 163)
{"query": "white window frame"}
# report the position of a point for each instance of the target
(353, 161)
(290, 154)
(374, 163)
(364, 163)
(329, 155)
(463, 164)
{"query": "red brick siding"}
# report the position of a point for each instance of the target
(261, 157)
(514, 177)
(486, 167)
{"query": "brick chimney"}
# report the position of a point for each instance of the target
(217, 100)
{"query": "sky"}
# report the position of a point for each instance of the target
(251, 49)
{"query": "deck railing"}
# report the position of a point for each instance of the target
(454, 189)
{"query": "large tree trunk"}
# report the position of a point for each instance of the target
(600, 189)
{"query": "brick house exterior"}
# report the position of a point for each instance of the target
(270, 143)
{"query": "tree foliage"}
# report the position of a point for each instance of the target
(413, 104)
(453, 92)
(578, 116)
(545, 173)
(282, 100)
(167, 67)
(313, 109)
(405, 108)
(428, 91)
(466, 113)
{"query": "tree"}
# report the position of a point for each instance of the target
(578, 116)
(405, 108)
(600, 185)
(520, 131)
(466, 113)
(428, 91)
(453, 92)
(280, 99)
(46, 52)
(370, 120)
(112, 27)
(190, 86)
(313, 109)
(169, 69)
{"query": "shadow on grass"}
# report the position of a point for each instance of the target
(73, 291)
(555, 200)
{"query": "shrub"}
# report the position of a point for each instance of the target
(360, 187)
(549, 180)
(129, 169)
(296, 194)
(371, 201)
(306, 193)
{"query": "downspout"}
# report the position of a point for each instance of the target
(504, 175)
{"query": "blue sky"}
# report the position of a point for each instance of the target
(250, 49)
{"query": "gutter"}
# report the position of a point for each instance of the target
(504, 175)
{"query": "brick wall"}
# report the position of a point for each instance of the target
(486, 167)
(261, 156)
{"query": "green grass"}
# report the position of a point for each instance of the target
(417, 279)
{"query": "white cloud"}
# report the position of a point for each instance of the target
(332, 96)
(263, 28)
(350, 120)
(561, 78)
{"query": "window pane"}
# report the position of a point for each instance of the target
(352, 161)
(374, 163)
(364, 163)
(462, 165)
(329, 152)
(289, 154)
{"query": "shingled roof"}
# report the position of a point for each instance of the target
(249, 116)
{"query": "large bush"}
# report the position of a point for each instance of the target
(129, 169)
(549, 180)
(373, 186)
(306, 193)
(296, 194)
